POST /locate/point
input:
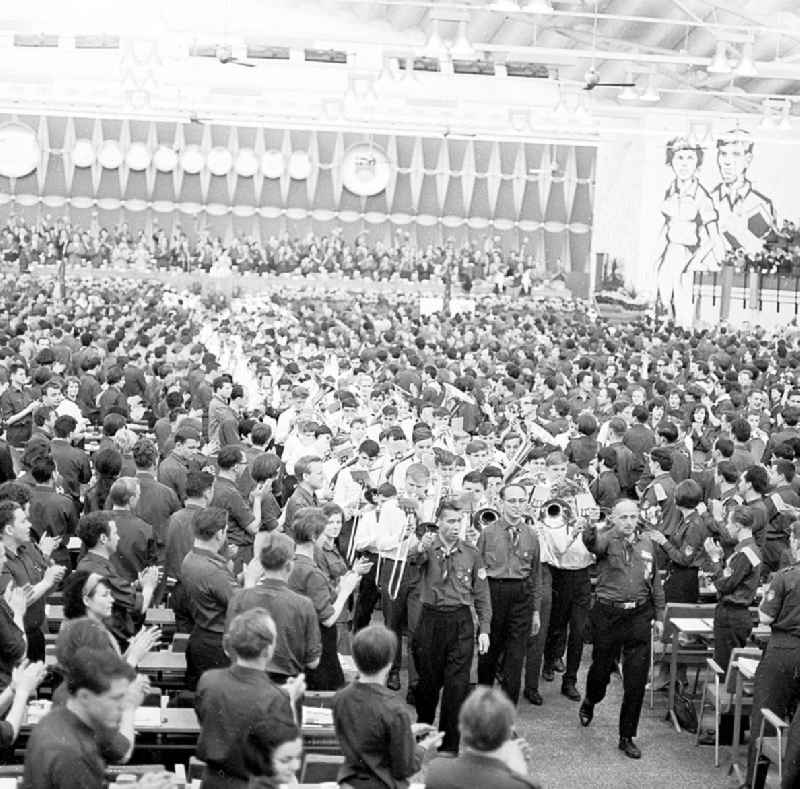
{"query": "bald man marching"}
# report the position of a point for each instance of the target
(629, 598)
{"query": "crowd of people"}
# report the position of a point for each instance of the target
(49, 241)
(301, 477)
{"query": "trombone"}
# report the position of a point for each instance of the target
(401, 556)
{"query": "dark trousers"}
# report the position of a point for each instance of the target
(777, 687)
(203, 652)
(367, 595)
(328, 674)
(36, 642)
(572, 595)
(732, 628)
(681, 584)
(535, 651)
(614, 629)
(179, 602)
(512, 609)
(402, 613)
(443, 645)
(791, 762)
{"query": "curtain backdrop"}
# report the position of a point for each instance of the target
(537, 195)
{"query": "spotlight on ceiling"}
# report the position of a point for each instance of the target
(746, 66)
(719, 63)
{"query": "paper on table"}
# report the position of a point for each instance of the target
(317, 716)
(8, 783)
(147, 716)
(747, 666)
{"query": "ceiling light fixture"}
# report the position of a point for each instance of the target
(461, 48)
(651, 94)
(435, 47)
(719, 63)
(628, 93)
(747, 67)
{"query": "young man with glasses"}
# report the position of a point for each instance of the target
(509, 548)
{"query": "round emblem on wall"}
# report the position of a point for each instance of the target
(19, 150)
(366, 169)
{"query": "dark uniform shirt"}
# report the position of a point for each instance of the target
(12, 643)
(513, 556)
(156, 504)
(127, 601)
(581, 451)
(298, 643)
(136, 549)
(180, 539)
(737, 582)
(210, 585)
(629, 468)
(639, 439)
(782, 603)
(374, 730)
(72, 464)
(26, 566)
(53, 513)
(605, 490)
(761, 517)
(172, 472)
(64, 753)
(240, 516)
(471, 768)
(626, 570)
(12, 401)
(685, 545)
(243, 717)
(455, 577)
(299, 499)
(307, 579)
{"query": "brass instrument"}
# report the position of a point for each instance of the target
(401, 556)
(485, 516)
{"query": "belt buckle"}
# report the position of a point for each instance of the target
(629, 606)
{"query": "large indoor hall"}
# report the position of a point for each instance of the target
(400, 394)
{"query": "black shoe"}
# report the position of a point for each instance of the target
(586, 713)
(569, 690)
(534, 697)
(393, 681)
(547, 674)
(559, 666)
(411, 696)
(629, 749)
(706, 738)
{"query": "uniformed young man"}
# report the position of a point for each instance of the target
(777, 680)
(510, 550)
(736, 580)
(452, 580)
(629, 597)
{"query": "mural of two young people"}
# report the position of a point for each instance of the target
(700, 226)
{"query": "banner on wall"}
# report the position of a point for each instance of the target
(707, 215)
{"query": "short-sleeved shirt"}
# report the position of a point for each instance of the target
(53, 513)
(209, 585)
(240, 516)
(782, 603)
(298, 641)
(156, 504)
